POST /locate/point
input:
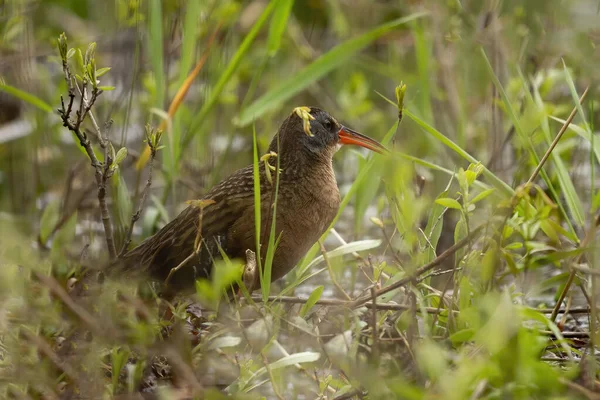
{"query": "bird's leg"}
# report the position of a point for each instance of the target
(250, 270)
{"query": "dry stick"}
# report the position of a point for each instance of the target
(78, 310)
(136, 216)
(345, 303)
(375, 345)
(584, 243)
(102, 170)
(396, 307)
(557, 138)
(52, 356)
(438, 260)
(67, 215)
(330, 269)
(184, 370)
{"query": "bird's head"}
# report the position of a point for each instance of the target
(314, 132)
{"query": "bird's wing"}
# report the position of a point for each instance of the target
(175, 241)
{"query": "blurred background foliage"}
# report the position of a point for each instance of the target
(487, 81)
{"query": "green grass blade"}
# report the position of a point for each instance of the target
(583, 133)
(266, 288)
(575, 96)
(190, 30)
(329, 61)
(229, 71)
(278, 24)
(256, 175)
(26, 97)
(155, 47)
(423, 56)
(496, 182)
(568, 189)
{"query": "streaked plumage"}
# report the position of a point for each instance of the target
(308, 201)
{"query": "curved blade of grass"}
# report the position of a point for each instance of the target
(583, 133)
(272, 243)
(256, 176)
(278, 25)
(344, 249)
(496, 182)
(190, 30)
(155, 46)
(26, 97)
(226, 75)
(329, 61)
(568, 189)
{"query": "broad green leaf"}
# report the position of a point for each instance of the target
(482, 195)
(449, 203)
(311, 301)
(336, 57)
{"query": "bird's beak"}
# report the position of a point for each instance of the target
(349, 136)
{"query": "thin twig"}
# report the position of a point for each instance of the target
(78, 310)
(52, 356)
(102, 170)
(375, 344)
(330, 269)
(584, 243)
(421, 270)
(557, 139)
(136, 216)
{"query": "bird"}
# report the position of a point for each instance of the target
(299, 163)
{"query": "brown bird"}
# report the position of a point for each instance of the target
(307, 201)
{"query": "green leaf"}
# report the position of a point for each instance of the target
(79, 60)
(279, 22)
(49, 220)
(462, 336)
(482, 196)
(311, 301)
(336, 57)
(257, 210)
(26, 97)
(449, 203)
(70, 53)
(435, 223)
(119, 357)
(121, 154)
(106, 88)
(102, 71)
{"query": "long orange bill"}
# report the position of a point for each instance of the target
(349, 136)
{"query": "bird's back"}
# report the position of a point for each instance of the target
(306, 205)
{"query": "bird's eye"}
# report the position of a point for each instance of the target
(327, 124)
